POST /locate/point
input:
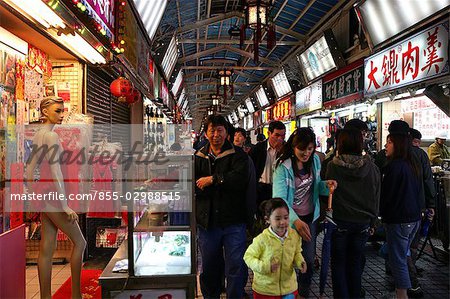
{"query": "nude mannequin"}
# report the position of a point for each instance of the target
(63, 217)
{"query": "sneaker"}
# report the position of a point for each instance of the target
(415, 292)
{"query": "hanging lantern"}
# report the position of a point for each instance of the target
(225, 82)
(121, 87)
(133, 97)
(257, 18)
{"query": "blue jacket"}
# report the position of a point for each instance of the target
(284, 186)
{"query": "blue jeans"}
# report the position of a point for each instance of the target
(399, 238)
(223, 248)
(309, 253)
(347, 252)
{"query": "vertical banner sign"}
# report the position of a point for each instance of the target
(420, 57)
(151, 70)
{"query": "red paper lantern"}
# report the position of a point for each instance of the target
(134, 97)
(121, 87)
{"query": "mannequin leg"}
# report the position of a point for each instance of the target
(47, 246)
(72, 230)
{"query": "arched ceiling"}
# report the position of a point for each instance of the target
(205, 46)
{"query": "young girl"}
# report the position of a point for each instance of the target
(274, 253)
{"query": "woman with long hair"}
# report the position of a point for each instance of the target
(355, 210)
(400, 207)
(297, 180)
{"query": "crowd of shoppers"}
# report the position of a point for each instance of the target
(285, 179)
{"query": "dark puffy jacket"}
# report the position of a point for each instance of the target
(400, 193)
(427, 192)
(223, 203)
(357, 196)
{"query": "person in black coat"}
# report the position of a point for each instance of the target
(264, 162)
(221, 174)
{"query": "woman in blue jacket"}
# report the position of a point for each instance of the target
(400, 206)
(297, 180)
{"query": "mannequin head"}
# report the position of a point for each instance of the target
(52, 110)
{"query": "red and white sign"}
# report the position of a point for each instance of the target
(422, 56)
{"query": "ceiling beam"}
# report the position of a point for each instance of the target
(190, 75)
(216, 83)
(200, 54)
(248, 76)
(218, 60)
(250, 55)
(209, 21)
(207, 67)
(290, 32)
(235, 42)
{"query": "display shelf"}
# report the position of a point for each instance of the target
(160, 248)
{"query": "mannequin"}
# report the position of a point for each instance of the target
(59, 215)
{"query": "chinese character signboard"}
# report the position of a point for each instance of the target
(309, 99)
(344, 86)
(280, 111)
(103, 12)
(422, 56)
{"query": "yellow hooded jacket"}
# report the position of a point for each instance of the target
(266, 247)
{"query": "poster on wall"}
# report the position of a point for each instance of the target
(7, 105)
(428, 118)
(20, 80)
(63, 91)
(10, 70)
(34, 92)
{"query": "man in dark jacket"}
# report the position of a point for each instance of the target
(264, 156)
(221, 173)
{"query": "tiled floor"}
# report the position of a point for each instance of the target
(60, 274)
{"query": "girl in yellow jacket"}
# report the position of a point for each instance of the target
(274, 253)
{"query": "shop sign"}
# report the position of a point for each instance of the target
(265, 116)
(317, 59)
(164, 93)
(309, 99)
(280, 111)
(142, 58)
(257, 120)
(130, 36)
(420, 57)
(103, 12)
(151, 78)
(344, 86)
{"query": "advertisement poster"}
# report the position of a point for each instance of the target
(20, 80)
(34, 92)
(10, 70)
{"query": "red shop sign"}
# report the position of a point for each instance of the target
(280, 111)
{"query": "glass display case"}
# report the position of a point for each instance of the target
(160, 252)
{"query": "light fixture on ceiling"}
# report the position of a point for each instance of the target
(39, 11)
(224, 77)
(257, 15)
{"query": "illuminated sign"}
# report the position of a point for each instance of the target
(309, 99)
(281, 110)
(317, 59)
(103, 12)
(418, 58)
